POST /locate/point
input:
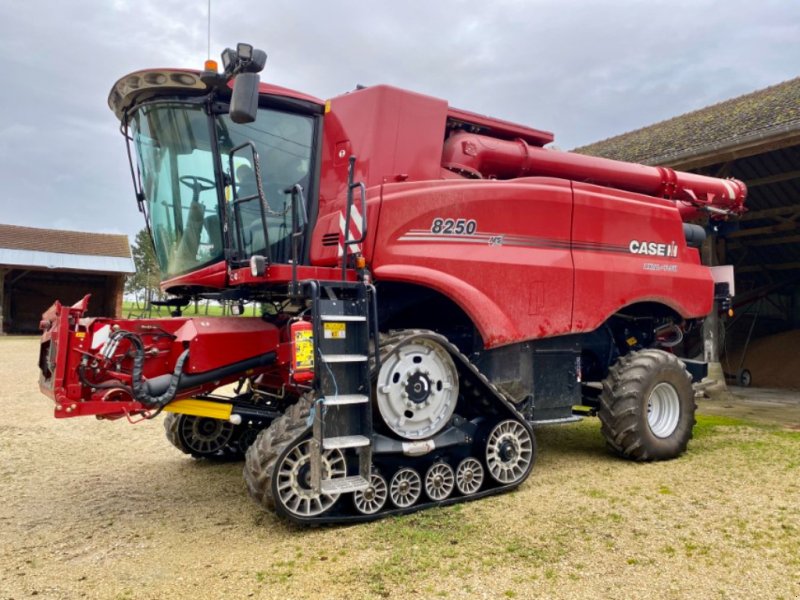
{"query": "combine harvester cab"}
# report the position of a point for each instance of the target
(433, 284)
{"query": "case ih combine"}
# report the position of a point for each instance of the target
(433, 283)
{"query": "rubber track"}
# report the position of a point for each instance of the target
(473, 382)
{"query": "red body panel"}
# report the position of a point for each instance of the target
(512, 275)
(540, 262)
(609, 276)
(69, 341)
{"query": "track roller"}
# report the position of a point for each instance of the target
(372, 499)
(469, 476)
(439, 481)
(405, 488)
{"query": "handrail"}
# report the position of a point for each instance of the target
(236, 202)
(347, 242)
(297, 231)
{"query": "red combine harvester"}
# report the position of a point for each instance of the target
(433, 284)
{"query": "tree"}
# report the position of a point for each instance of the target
(144, 283)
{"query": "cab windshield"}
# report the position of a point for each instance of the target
(187, 207)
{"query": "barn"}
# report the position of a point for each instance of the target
(39, 266)
(754, 138)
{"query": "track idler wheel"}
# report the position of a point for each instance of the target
(510, 452)
(203, 437)
(292, 480)
(277, 467)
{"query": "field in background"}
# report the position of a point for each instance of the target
(203, 308)
(110, 510)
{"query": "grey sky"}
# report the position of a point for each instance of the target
(584, 70)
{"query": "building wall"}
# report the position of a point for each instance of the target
(27, 294)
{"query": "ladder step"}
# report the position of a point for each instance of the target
(343, 358)
(342, 485)
(345, 441)
(342, 318)
(345, 399)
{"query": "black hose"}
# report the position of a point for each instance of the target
(138, 384)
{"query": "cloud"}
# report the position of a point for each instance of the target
(585, 70)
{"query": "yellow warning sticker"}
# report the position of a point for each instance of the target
(334, 331)
(303, 349)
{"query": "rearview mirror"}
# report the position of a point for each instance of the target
(244, 101)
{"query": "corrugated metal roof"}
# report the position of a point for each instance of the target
(756, 116)
(61, 260)
(14, 237)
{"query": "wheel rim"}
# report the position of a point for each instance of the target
(663, 410)
(509, 452)
(439, 481)
(417, 389)
(202, 435)
(405, 488)
(294, 480)
(372, 499)
(469, 476)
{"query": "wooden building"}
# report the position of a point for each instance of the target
(39, 266)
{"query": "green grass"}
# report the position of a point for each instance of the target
(131, 311)
(708, 424)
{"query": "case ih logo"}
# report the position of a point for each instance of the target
(654, 249)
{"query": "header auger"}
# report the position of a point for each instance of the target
(433, 284)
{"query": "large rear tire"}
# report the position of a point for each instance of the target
(647, 406)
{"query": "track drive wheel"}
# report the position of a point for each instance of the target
(202, 437)
(647, 406)
(277, 467)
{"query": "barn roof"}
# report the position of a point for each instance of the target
(750, 120)
(59, 249)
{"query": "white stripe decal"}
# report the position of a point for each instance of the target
(356, 227)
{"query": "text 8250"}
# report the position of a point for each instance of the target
(454, 226)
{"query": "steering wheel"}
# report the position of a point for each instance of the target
(197, 185)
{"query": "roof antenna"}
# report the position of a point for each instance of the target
(209, 30)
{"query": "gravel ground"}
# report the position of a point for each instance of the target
(109, 510)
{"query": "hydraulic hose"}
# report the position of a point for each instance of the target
(140, 392)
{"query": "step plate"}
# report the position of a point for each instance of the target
(353, 318)
(343, 485)
(345, 399)
(345, 441)
(343, 358)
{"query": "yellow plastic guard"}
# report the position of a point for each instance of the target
(200, 408)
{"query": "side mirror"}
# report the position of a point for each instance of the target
(244, 101)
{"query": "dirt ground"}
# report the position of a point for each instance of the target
(92, 509)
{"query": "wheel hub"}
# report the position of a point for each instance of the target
(663, 410)
(508, 450)
(417, 389)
